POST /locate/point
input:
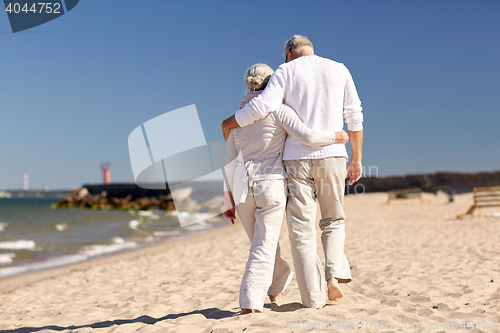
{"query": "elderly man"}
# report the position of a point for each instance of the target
(323, 94)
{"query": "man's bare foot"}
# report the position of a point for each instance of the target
(334, 291)
(275, 298)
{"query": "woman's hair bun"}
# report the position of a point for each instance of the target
(257, 76)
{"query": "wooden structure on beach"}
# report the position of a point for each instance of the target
(483, 197)
(405, 193)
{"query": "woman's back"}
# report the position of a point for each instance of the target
(261, 140)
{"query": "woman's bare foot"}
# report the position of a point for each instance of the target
(247, 311)
(334, 291)
(275, 298)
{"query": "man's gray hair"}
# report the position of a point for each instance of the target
(296, 42)
(257, 77)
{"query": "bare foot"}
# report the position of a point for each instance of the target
(247, 311)
(275, 298)
(334, 291)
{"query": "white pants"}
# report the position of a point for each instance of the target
(262, 215)
(325, 178)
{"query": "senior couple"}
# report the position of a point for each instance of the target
(286, 152)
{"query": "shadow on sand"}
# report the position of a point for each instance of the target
(290, 307)
(211, 313)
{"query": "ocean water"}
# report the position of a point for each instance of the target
(33, 236)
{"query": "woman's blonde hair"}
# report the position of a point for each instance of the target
(257, 77)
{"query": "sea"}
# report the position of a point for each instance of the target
(34, 236)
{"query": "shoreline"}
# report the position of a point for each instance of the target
(66, 236)
(9, 283)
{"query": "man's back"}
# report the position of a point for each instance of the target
(315, 89)
(322, 93)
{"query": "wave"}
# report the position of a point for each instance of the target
(3, 225)
(6, 258)
(149, 214)
(134, 224)
(166, 233)
(18, 245)
(61, 226)
(99, 249)
(85, 253)
(199, 226)
(50, 263)
(192, 217)
(145, 213)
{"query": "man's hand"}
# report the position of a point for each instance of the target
(354, 171)
(341, 137)
(228, 125)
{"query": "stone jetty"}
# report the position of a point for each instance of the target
(207, 195)
(195, 196)
(117, 196)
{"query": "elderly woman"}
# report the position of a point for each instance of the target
(256, 187)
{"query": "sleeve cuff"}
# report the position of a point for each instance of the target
(355, 127)
(241, 118)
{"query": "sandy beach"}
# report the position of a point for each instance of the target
(413, 264)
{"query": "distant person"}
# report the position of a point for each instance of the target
(257, 188)
(451, 194)
(323, 94)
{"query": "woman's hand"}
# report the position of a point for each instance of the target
(341, 137)
(228, 210)
(230, 214)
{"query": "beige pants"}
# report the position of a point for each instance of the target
(323, 180)
(262, 215)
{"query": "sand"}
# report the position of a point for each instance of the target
(412, 262)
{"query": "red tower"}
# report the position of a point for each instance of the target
(106, 173)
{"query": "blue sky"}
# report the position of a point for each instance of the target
(73, 89)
